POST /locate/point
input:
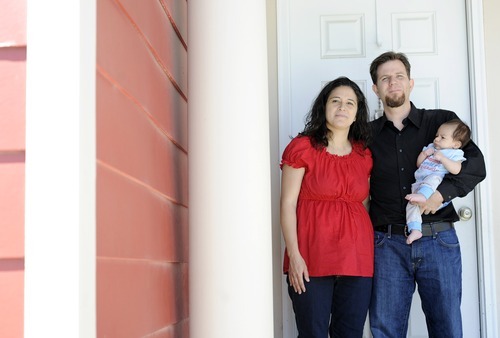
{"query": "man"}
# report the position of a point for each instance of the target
(433, 262)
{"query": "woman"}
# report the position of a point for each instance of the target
(324, 219)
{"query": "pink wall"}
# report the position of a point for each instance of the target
(142, 212)
(12, 150)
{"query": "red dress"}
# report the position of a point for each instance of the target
(335, 234)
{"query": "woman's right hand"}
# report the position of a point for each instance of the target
(297, 273)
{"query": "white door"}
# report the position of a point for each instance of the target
(320, 40)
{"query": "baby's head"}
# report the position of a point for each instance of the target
(453, 134)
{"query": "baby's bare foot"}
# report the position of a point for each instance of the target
(416, 198)
(413, 236)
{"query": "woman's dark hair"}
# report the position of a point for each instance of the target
(386, 57)
(316, 127)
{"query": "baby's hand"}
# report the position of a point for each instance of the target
(438, 155)
(429, 151)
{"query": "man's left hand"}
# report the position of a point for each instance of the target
(432, 204)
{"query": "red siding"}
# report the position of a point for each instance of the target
(142, 222)
(12, 150)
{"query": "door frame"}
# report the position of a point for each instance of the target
(479, 125)
(479, 122)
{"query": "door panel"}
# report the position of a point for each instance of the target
(320, 40)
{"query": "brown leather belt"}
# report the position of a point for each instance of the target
(428, 229)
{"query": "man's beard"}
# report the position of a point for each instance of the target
(395, 102)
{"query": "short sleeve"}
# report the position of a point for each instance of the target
(457, 155)
(454, 154)
(296, 153)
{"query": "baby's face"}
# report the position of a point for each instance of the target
(444, 138)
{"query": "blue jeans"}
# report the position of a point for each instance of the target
(335, 305)
(435, 265)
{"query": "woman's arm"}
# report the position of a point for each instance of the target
(366, 202)
(291, 181)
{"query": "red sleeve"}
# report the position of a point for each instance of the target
(296, 153)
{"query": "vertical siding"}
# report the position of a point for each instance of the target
(142, 222)
(12, 150)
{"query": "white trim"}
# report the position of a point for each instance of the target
(284, 101)
(285, 132)
(60, 169)
(230, 228)
(484, 217)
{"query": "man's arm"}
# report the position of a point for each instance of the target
(473, 171)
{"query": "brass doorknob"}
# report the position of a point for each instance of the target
(465, 213)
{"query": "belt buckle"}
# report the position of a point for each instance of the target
(405, 231)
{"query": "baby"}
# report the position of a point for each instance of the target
(439, 158)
